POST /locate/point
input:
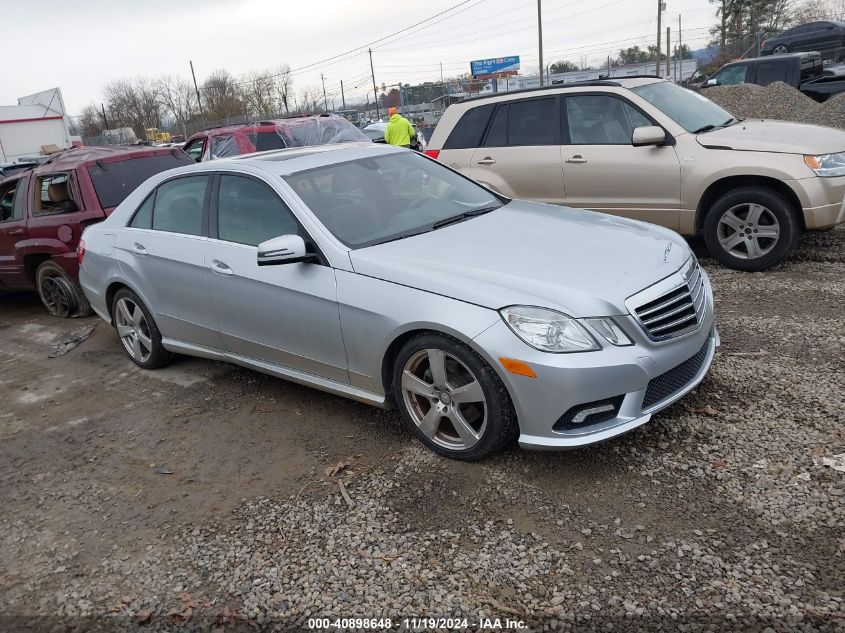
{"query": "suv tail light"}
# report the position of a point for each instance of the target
(432, 153)
(80, 252)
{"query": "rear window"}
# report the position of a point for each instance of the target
(470, 127)
(264, 141)
(114, 181)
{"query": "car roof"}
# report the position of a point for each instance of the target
(268, 125)
(79, 156)
(615, 82)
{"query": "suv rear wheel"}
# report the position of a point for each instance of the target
(751, 228)
(451, 399)
(59, 293)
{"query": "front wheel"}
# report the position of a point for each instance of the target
(137, 330)
(780, 49)
(751, 229)
(59, 293)
(451, 399)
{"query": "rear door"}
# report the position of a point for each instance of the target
(12, 231)
(162, 251)
(464, 138)
(519, 155)
(286, 315)
(603, 171)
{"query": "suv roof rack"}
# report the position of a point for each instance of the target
(587, 82)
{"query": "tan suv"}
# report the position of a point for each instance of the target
(645, 148)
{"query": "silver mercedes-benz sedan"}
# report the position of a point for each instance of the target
(384, 276)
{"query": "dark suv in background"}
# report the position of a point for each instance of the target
(44, 209)
(223, 142)
(827, 37)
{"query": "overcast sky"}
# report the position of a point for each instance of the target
(79, 45)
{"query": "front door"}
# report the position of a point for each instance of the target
(603, 171)
(162, 252)
(286, 314)
(519, 155)
(12, 231)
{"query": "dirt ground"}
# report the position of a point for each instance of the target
(135, 498)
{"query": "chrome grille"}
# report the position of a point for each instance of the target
(677, 309)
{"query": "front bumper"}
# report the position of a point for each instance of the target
(823, 201)
(567, 381)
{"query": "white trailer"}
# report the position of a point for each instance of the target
(34, 127)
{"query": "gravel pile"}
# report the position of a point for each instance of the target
(778, 101)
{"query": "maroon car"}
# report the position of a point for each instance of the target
(44, 210)
(220, 142)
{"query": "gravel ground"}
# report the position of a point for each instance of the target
(778, 101)
(208, 497)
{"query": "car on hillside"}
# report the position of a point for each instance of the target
(648, 149)
(826, 36)
(378, 274)
(44, 209)
(234, 140)
(804, 71)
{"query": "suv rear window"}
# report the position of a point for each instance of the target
(263, 141)
(114, 181)
(467, 132)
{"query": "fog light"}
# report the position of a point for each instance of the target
(589, 413)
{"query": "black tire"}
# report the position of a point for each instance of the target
(158, 355)
(501, 424)
(772, 250)
(60, 294)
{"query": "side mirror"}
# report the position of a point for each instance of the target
(285, 249)
(711, 82)
(648, 135)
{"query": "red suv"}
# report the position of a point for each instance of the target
(220, 142)
(44, 210)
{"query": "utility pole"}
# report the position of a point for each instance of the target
(105, 120)
(325, 101)
(342, 96)
(659, 29)
(199, 104)
(375, 88)
(680, 52)
(540, 36)
(608, 65)
(668, 51)
(441, 72)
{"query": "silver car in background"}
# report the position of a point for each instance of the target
(381, 275)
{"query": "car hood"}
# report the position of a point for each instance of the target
(763, 135)
(582, 263)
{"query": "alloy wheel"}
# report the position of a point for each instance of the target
(133, 330)
(748, 230)
(780, 49)
(58, 295)
(444, 398)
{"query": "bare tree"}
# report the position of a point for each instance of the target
(221, 95)
(134, 102)
(90, 121)
(813, 10)
(258, 92)
(283, 87)
(310, 100)
(178, 98)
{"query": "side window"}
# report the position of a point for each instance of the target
(7, 200)
(469, 128)
(178, 205)
(635, 117)
(770, 73)
(195, 148)
(250, 212)
(143, 218)
(599, 120)
(223, 146)
(53, 194)
(497, 135)
(732, 75)
(533, 122)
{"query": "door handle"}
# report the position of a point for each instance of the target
(576, 159)
(16, 231)
(220, 268)
(487, 161)
(139, 249)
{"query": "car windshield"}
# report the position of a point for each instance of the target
(688, 109)
(383, 198)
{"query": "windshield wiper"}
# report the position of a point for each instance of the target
(710, 126)
(463, 216)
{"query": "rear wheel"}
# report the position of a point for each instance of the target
(451, 399)
(780, 49)
(751, 228)
(137, 330)
(59, 293)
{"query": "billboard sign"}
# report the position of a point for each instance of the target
(495, 65)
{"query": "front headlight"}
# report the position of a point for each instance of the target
(547, 330)
(827, 165)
